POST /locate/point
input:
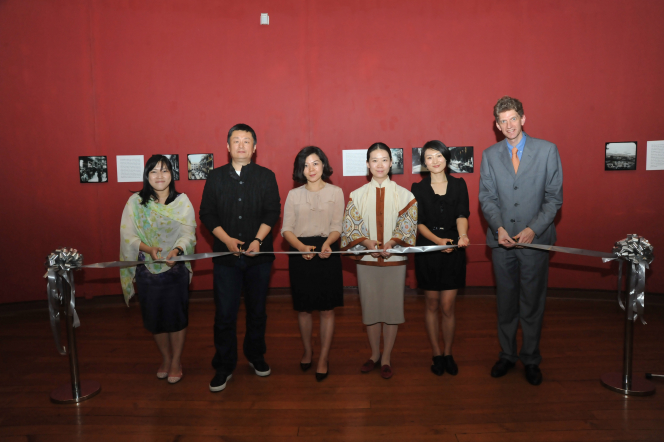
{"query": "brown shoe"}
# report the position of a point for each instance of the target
(386, 372)
(370, 365)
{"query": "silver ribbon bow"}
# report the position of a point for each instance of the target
(639, 252)
(60, 265)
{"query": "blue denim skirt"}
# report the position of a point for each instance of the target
(164, 298)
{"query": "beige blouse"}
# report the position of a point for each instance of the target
(309, 213)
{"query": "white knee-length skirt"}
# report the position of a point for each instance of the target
(381, 293)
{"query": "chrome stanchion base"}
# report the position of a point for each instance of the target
(65, 395)
(640, 387)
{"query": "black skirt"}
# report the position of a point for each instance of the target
(441, 271)
(316, 284)
(164, 298)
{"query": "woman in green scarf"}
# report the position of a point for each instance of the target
(158, 223)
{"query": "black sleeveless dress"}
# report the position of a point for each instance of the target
(436, 270)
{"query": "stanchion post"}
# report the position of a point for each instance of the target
(71, 343)
(78, 391)
(629, 334)
(623, 382)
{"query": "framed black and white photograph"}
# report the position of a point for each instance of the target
(175, 163)
(199, 165)
(93, 169)
(461, 159)
(397, 161)
(620, 156)
(417, 166)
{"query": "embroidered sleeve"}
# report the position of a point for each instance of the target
(406, 229)
(354, 228)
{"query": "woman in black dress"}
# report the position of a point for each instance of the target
(442, 202)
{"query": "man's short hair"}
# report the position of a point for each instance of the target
(505, 104)
(242, 127)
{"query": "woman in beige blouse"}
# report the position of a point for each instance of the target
(312, 223)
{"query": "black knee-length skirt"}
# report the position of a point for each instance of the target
(164, 298)
(316, 284)
(441, 271)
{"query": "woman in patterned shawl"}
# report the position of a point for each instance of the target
(158, 219)
(380, 215)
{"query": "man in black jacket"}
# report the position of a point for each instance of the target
(240, 206)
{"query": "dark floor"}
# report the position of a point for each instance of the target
(582, 339)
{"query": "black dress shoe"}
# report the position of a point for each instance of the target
(321, 376)
(533, 374)
(438, 367)
(307, 365)
(501, 367)
(450, 365)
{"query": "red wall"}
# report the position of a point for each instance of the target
(96, 77)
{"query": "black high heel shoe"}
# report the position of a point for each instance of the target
(307, 366)
(438, 367)
(450, 365)
(321, 376)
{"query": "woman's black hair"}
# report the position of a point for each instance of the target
(147, 192)
(298, 165)
(378, 146)
(440, 147)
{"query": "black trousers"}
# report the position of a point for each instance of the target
(229, 283)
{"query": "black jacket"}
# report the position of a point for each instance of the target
(240, 204)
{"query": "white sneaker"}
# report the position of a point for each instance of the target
(261, 368)
(219, 382)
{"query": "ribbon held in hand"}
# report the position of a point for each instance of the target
(634, 249)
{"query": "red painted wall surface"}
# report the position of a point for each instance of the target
(95, 77)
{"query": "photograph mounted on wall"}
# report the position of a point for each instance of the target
(417, 167)
(175, 163)
(93, 169)
(397, 161)
(461, 159)
(620, 156)
(199, 165)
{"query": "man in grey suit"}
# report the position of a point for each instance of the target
(521, 190)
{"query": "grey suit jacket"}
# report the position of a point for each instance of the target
(529, 198)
